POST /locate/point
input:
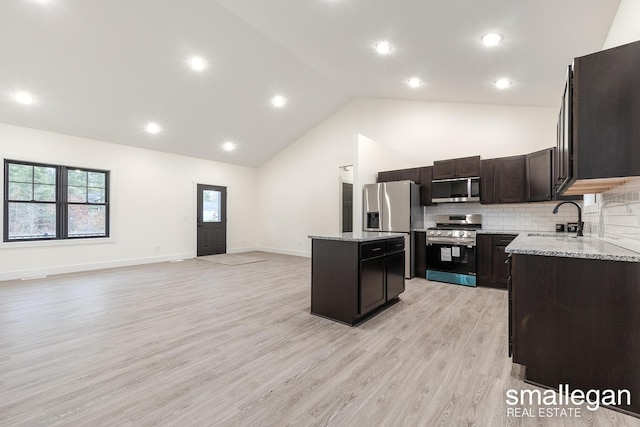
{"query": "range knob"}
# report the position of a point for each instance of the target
(431, 233)
(439, 233)
(449, 233)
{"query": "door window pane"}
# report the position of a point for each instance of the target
(32, 221)
(211, 206)
(87, 220)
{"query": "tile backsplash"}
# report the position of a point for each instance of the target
(509, 217)
(615, 216)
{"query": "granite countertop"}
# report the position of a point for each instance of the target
(564, 245)
(358, 236)
(489, 231)
(510, 232)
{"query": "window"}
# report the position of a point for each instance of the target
(210, 206)
(45, 202)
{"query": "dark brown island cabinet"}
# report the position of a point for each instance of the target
(351, 279)
(492, 268)
(576, 321)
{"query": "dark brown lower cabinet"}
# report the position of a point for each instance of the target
(394, 274)
(492, 269)
(576, 321)
(372, 284)
(350, 279)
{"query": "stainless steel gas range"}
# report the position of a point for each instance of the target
(451, 249)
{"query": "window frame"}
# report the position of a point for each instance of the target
(62, 204)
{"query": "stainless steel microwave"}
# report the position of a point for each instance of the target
(455, 190)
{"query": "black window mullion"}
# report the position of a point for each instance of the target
(33, 183)
(62, 202)
(5, 222)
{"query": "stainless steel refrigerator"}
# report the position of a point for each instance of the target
(395, 207)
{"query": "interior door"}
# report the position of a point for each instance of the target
(212, 220)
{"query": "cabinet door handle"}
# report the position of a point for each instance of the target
(376, 249)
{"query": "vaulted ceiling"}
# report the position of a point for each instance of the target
(104, 69)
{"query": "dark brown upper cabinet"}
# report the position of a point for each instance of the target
(457, 168)
(421, 176)
(412, 174)
(387, 176)
(426, 176)
(542, 177)
(487, 180)
(539, 168)
(598, 127)
(503, 180)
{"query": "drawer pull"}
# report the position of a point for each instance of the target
(375, 249)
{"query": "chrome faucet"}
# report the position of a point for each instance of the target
(580, 223)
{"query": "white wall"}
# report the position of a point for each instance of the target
(298, 188)
(153, 197)
(625, 27)
(371, 157)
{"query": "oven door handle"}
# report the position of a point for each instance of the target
(467, 242)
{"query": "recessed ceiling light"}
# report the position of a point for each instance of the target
(414, 82)
(153, 128)
(23, 97)
(503, 83)
(279, 101)
(229, 146)
(197, 63)
(491, 39)
(383, 48)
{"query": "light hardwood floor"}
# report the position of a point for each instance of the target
(200, 343)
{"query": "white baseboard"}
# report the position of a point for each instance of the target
(75, 268)
(285, 252)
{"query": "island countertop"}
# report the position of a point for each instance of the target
(358, 236)
(568, 246)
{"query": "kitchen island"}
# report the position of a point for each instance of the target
(574, 316)
(354, 275)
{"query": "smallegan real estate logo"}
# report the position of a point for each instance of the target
(563, 403)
